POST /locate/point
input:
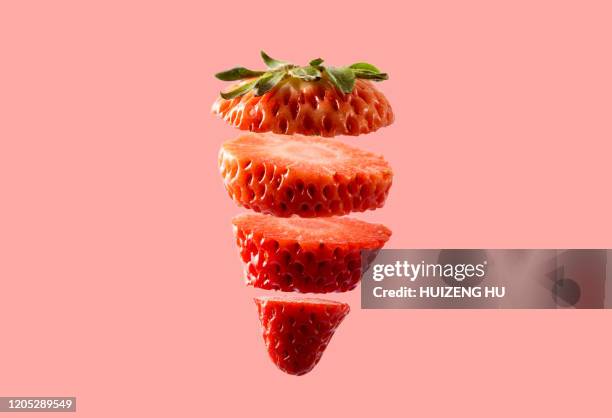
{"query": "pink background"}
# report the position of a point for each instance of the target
(120, 283)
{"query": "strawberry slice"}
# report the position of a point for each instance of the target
(297, 331)
(307, 176)
(308, 108)
(314, 255)
(315, 99)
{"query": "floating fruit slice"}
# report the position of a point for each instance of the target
(307, 176)
(310, 100)
(297, 331)
(314, 255)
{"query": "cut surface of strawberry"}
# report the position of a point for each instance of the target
(297, 331)
(308, 255)
(308, 108)
(307, 176)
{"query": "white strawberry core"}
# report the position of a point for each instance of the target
(315, 153)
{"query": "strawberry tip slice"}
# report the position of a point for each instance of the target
(296, 332)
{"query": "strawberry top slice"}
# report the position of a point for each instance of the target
(311, 100)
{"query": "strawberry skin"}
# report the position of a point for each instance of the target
(307, 176)
(297, 106)
(308, 255)
(297, 331)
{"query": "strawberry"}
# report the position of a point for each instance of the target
(310, 100)
(314, 255)
(297, 331)
(308, 176)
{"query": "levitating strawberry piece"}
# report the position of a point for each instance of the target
(309, 255)
(308, 176)
(310, 100)
(297, 331)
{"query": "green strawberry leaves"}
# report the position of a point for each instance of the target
(271, 63)
(305, 73)
(267, 82)
(371, 76)
(238, 73)
(368, 71)
(364, 66)
(343, 78)
(240, 90)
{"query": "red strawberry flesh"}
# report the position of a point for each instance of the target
(297, 331)
(308, 255)
(307, 176)
(308, 108)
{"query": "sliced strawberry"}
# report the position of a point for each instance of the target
(316, 99)
(307, 176)
(314, 255)
(309, 108)
(297, 331)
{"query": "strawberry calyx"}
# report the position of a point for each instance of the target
(263, 81)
